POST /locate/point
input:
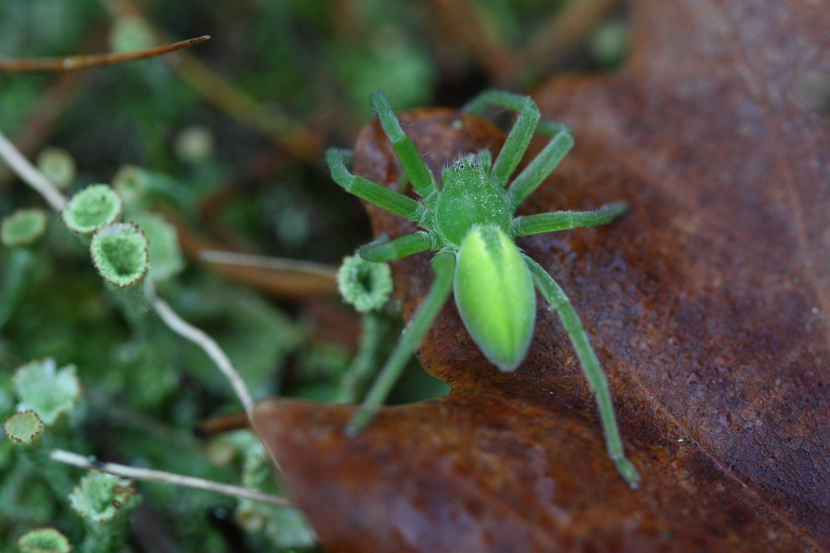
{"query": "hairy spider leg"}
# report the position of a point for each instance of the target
(519, 136)
(384, 249)
(557, 299)
(561, 142)
(370, 191)
(413, 164)
(565, 220)
(444, 266)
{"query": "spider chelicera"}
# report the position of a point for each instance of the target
(469, 221)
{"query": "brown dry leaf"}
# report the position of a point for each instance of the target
(707, 304)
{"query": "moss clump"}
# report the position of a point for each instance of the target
(58, 166)
(121, 254)
(131, 184)
(46, 390)
(44, 540)
(166, 259)
(364, 284)
(24, 227)
(92, 208)
(23, 428)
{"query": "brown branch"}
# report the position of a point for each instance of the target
(74, 63)
(282, 278)
(220, 424)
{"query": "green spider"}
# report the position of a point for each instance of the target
(469, 222)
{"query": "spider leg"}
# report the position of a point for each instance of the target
(557, 299)
(564, 220)
(561, 141)
(370, 191)
(519, 136)
(385, 250)
(411, 161)
(444, 266)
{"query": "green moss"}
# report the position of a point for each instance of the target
(47, 391)
(130, 183)
(92, 208)
(58, 166)
(102, 498)
(364, 284)
(165, 256)
(23, 428)
(104, 502)
(121, 254)
(44, 540)
(24, 227)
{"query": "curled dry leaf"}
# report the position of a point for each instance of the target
(707, 304)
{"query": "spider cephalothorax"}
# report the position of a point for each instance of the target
(470, 222)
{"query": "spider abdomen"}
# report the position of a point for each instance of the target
(495, 295)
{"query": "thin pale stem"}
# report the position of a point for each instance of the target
(543, 164)
(565, 220)
(82, 62)
(125, 471)
(557, 299)
(411, 161)
(519, 137)
(372, 192)
(26, 171)
(385, 250)
(208, 344)
(444, 266)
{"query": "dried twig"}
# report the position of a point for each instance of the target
(283, 278)
(74, 459)
(294, 277)
(221, 424)
(73, 63)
